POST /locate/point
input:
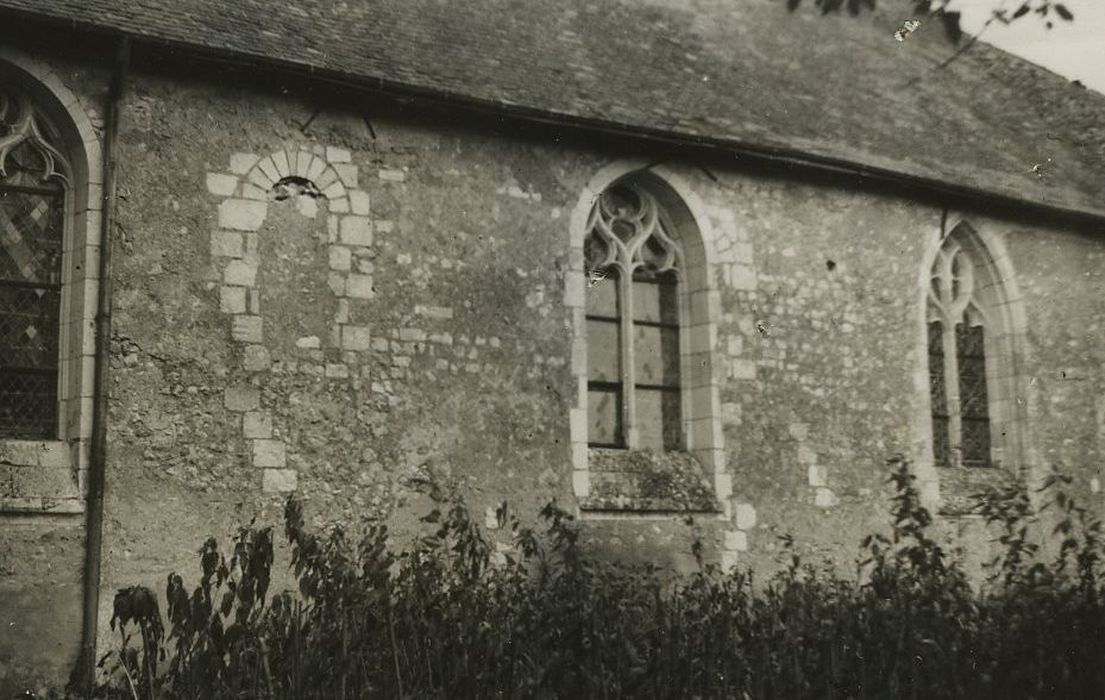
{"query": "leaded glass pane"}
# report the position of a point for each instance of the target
(940, 441)
(28, 327)
(603, 351)
(602, 295)
(974, 402)
(30, 237)
(646, 301)
(957, 274)
(656, 354)
(658, 415)
(656, 301)
(28, 405)
(31, 226)
(604, 417)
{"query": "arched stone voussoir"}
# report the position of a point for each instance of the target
(329, 180)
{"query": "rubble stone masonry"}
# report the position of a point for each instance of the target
(345, 302)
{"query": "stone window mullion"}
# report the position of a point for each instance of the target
(632, 435)
(951, 391)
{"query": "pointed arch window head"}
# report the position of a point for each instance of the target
(33, 190)
(958, 336)
(634, 263)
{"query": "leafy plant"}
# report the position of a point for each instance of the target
(460, 613)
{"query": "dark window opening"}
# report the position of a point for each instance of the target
(32, 215)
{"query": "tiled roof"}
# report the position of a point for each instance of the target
(739, 73)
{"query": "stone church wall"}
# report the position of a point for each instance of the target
(403, 316)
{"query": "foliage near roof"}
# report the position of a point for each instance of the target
(744, 74)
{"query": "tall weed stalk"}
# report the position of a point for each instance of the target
(454, 616)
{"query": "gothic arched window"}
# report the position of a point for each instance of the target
(33, 193)
(962, 324)
(645, 428)
(634, 263)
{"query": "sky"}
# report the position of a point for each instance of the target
(1074, 49)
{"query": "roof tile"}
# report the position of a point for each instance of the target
(745, 74)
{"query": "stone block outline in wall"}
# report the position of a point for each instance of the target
(245, 192)
(817, 474)
(732, 249)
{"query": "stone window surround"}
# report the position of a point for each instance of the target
(700, 307)
(49, 476)
(1006, 335)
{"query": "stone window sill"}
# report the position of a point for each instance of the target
(958, 485)
(645, 481)
(28, 506)
(39, 476)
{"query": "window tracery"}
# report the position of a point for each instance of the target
(957, 341)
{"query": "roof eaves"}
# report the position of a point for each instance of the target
(781, 155)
